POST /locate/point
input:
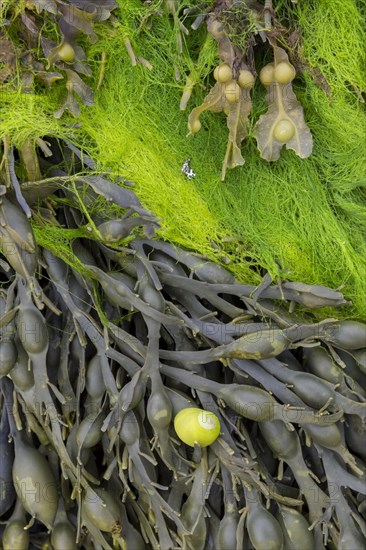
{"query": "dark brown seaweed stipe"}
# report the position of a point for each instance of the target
(105, 340)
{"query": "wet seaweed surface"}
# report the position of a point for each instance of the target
(109, 333)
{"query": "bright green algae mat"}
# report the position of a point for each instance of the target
(301, 219)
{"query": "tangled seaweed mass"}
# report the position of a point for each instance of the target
(149, 398)
(99, 362)
(137, 63)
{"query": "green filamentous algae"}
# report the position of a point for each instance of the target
(300, 219)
